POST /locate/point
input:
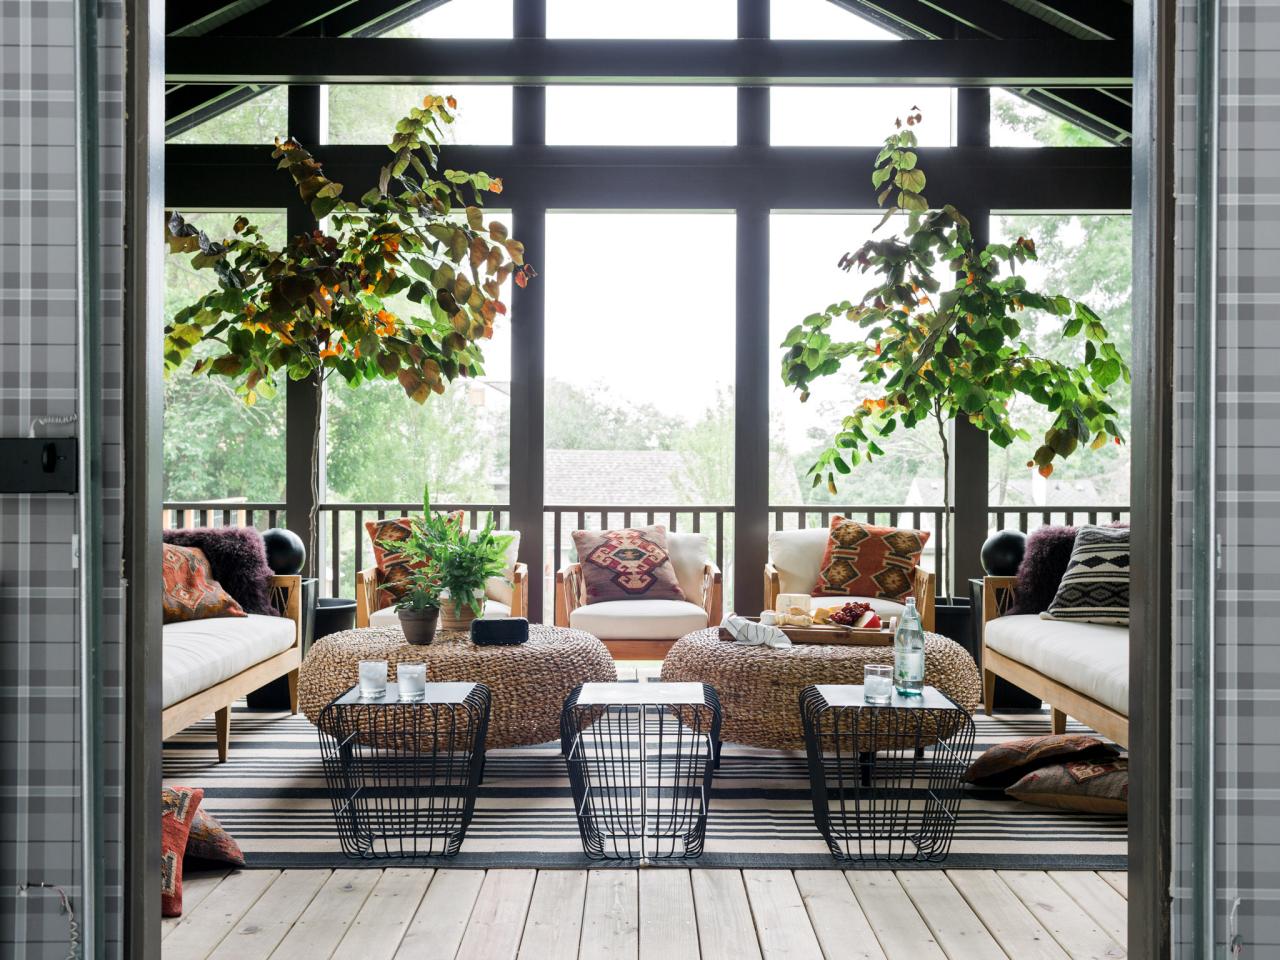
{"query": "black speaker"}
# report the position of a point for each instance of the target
(499, 633)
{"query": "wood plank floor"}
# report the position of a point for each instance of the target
(656, 914)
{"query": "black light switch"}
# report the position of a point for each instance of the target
(38, 464)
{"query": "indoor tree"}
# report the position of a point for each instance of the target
(939, 351)
(322, 303)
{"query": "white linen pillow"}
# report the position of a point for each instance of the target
(495, 588)
(688, 553)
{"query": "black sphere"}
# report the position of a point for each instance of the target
(1003, 551)
(285, 552)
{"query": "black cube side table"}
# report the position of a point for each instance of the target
(885, 779)
(1007, 696)
(640, 758)
(403, 776)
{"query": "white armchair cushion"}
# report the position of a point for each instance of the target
(639, 619)
(496, 588)
(387, 616)
(688, 552)
(797, 556)
(198, 654)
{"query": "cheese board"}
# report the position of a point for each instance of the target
(834, 634)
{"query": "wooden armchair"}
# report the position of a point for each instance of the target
(368, 603)
(922, 589)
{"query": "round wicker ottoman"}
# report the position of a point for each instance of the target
(759, 687)
(529, 682)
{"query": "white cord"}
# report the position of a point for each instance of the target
(73, 925)
(39, 422)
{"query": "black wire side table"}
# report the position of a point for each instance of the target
(403, 775)
(885, 779)
(640, 758)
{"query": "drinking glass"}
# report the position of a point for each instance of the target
(373, 679)
(412, 678)
(877, 683)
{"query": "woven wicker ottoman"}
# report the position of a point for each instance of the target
(759, 687)
(528, 682)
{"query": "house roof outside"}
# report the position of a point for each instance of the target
(606, 477)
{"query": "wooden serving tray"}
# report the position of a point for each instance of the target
(834, 634)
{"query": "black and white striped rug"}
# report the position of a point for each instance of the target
(271, 796)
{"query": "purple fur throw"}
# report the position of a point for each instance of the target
(1043, 564)
(1045, 561)
(238, 560)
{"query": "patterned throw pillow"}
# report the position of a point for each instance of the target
(1007, 762)
(1100, 786)
(209, 840)
(190, 592)
(862, 560)
(630, 564)
(393, 569)
(1095, 588)
(178, 806)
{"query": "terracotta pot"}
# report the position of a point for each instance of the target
(455, 617)
(419, 626)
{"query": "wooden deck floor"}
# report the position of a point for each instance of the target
(662, 913)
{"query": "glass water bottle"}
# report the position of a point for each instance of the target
(908, 653)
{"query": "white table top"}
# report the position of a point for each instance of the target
(851, 695)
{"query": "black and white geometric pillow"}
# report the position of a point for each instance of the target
(1095, 588)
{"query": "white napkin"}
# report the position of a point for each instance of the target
(748, 633)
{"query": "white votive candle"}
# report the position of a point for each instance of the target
(373, 679)
(412, 678)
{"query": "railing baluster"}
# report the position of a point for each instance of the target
(696, 517)
(557, 517)
(720, 539)
(358, 526)
(335, 548)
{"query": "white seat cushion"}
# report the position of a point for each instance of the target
(639, 619)
(688, 552)
(884, 608)
(1090, 658)
(199, 654)
(797, 556)
(387, 616)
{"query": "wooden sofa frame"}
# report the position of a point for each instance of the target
(286, 594)
(570, 595)
(367, 593)
(997, 599)
(923, 587)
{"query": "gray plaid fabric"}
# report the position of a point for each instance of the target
(39, 655)
(1246, 647)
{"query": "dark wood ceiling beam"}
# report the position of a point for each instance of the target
(1111, 20)
(193, 18)
(309, 60)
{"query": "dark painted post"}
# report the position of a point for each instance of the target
(751, 338)
(304, 462)
(528, 351)
(969, 446)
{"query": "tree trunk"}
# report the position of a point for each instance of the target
(304, 465)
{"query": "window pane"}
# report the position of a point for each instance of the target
(259, 120)
(803, 278)
(672, 116)
(216, 447)
(654, 19)
(639, 375)
(1018, 123)
(460, 20)
(820, 20)
(1087, 257)
(857, 116)
(361, 113)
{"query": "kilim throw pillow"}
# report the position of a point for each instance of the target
(209, 840)
(1009, 761)
(862, 560)
(178, 811)
(1090, 786)
(630, 564)
(1095, 588)
(393, 568)
(190, 592)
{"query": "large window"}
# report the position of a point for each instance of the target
(217, 447)
(858, 116)
(1086, 257)
(367, 113)
(651, 20)
(1016, 122)
(666, 116)
(260, 119)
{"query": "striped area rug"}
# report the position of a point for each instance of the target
(271, 795)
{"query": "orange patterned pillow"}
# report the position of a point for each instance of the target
(178, 811)
(393, 568)
(862, 560)
(190, 592)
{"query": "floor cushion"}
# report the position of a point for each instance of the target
(198, 654)
(1090, 658)
(1089, 786)
(209, 840)
(178, 807)
(1009, 761)
(639, 619)
(387, 616)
